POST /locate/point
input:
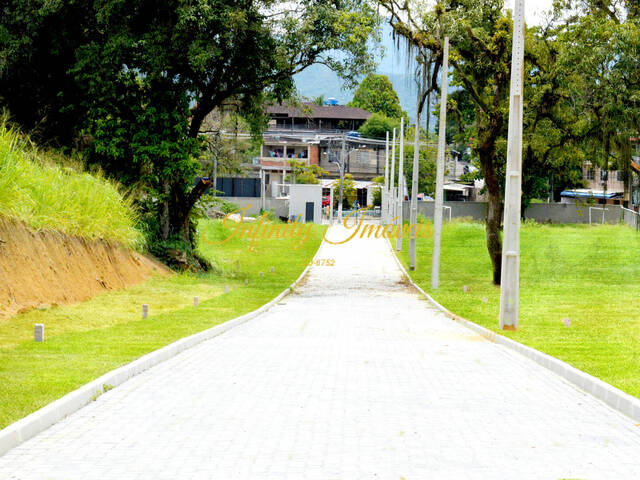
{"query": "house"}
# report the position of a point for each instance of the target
(316, 135)
(310, 117)
(603, 187)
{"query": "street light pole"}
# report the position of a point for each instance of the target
(385, 192)
(510, 281)
(413, 216)
(400, 196)
(437, 212)
(391, 196)
(341, 168)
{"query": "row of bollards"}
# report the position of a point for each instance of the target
(38, 334)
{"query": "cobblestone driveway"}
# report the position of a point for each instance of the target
(352, 377)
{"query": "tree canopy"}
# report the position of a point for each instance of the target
(377, 95)
(131, 83)
(377, 126)
(581, 89)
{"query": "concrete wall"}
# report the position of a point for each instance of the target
(572, 213)
(279, 205)
(475, 210)
(299, 195)
(540, 212)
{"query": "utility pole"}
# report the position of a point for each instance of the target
(215, 164)
(510, 281)
(437, 212)
(413, 215)
(341, 168)
(263, 189)
(385, 191)
(400, 197)
(392, 197)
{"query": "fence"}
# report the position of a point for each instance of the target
(540, 212)
(631, 218)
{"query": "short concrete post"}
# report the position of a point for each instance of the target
(38, 334)
(195, 301)
(272, 269)
(260, 274)
(145, 310)
(226, 289)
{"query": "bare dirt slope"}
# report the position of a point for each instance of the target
(45, 268)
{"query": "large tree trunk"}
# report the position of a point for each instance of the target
(494, 242)
(181, 207)
(487, 156)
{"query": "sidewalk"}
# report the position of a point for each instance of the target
(353, 376)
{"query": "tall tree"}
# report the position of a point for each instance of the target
(377, 95)
(480, 55)
(133, 81)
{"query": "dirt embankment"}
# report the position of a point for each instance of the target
(41, 269)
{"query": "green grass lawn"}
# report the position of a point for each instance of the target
(86, 340)
(589, 274)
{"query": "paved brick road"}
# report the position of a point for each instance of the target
(352, 377)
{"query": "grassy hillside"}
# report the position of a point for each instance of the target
(38, 191)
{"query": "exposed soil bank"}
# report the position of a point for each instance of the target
(45, 268)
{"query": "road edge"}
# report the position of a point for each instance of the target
(610, 395)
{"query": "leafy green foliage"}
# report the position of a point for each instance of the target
(376, 95)
(377, 126)
(426, 168)
(349, 193)
(301, 172)
(131, 83)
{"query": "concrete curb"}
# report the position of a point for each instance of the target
(40, 420)
(612, 396)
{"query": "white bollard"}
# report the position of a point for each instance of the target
(226, 289)
(260, 274)
(38, 334)
(272, 269)
(195, 301)
(145, 310)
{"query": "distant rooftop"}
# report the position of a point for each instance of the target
(314, 111)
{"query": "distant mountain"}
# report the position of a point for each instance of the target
(319, 80)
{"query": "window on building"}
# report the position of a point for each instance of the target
(604, 175)
(589, 174)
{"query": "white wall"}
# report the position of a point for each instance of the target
(299, 195)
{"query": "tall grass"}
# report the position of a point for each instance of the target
(46, 195)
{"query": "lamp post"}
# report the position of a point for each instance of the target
(391, 196)
(510, 281)
(437, 212)
(413, 212)
(385, 191)
(400, 198)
